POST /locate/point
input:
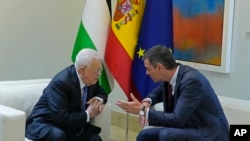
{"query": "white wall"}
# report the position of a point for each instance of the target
(37, 38)
(237, 82)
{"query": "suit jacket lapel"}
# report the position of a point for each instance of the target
(178, 80)
(75, 81)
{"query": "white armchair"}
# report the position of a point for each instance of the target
(17, 99)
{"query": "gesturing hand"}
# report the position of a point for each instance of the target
(132, 107)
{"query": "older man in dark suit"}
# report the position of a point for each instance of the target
(68, 103)
(192, 111)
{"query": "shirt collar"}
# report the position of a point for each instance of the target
(82, 85)
(173, 79)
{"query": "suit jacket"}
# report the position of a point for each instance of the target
(60, 105)
(195, 106)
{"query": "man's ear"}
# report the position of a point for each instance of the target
(81, 69)
(159, 66)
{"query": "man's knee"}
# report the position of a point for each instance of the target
(142, 136)
(56, 134)
(169, 134)
(165, 134)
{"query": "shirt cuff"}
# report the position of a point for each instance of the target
(147, 100)
(88, 119)
(99, 98)
(146, 117)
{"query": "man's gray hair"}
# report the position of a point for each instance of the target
(85, 56)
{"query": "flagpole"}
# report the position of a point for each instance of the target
(127, 127)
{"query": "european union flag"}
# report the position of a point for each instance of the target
(156, 28)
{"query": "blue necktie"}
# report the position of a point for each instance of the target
(84, 97)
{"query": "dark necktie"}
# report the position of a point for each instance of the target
(167, 97)
(84, 97)
(170, 98)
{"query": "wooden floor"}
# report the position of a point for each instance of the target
(119, 134)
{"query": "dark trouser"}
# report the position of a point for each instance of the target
(179, 134)
(162, 134)
(88, 134)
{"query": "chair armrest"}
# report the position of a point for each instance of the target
(158, 107)
(12, 124)
(104, 121)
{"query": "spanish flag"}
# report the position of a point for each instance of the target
(122, 41)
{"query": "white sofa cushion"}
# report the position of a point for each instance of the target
(22, 94)
(237, 110)
(11, 121)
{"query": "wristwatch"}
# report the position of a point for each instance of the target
(142, 111)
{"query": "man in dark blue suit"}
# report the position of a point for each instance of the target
(60, 114)
(192, 111)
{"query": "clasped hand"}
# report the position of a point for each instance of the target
(95, 107)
